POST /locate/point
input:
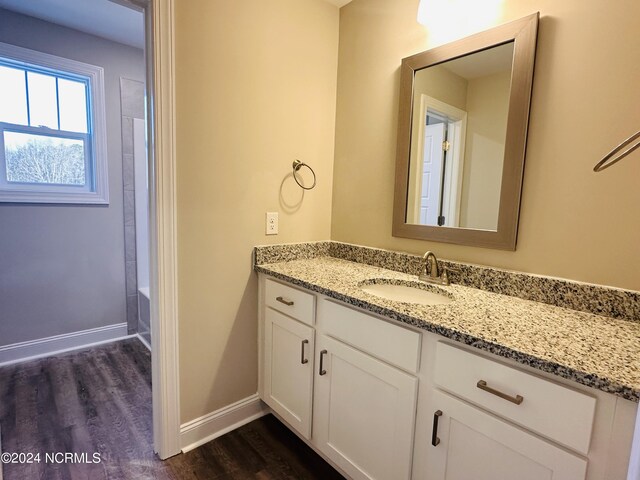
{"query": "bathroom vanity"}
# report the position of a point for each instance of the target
(479, 386)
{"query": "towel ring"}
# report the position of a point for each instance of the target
(607, 161)
(297, 165)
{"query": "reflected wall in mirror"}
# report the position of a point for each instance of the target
(464, 111)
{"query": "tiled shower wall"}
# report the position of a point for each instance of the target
(132, 106)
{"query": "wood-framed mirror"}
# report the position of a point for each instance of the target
(462, 131)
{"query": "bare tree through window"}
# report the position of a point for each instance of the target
(47, 160)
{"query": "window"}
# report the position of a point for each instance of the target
(52, 129)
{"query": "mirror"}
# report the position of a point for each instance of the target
(464, 110)
(458, 132)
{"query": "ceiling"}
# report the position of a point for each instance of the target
(102, 18)
(482, 64)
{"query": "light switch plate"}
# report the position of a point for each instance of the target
(271, 225)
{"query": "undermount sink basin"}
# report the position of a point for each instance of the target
(407, 292)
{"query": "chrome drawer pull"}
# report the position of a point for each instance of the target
(302, 359)
(435, 441)
(482, 385)
(288, 303)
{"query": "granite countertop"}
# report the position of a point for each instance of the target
(594, 350)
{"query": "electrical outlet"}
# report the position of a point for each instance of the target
(271, 227)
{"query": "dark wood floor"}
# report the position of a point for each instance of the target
(263, 449)
(99, 401)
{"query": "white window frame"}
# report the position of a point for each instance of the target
(97, 191)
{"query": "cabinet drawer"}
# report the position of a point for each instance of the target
(290, 301)
(394, 344)
(550, 409)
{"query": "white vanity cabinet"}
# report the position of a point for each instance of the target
(384, 401)
(483, 417)
(363, 383)
(365, 392)
(287, 348)
(559, 413)
(470, 442)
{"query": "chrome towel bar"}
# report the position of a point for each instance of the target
(615, 155)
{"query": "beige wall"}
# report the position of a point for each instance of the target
(574, 223)
(256, 88)
(487, 110)
(439, 83)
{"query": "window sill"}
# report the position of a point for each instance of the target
(80, 198)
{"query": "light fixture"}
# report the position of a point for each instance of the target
(422, 12)
(448, 20)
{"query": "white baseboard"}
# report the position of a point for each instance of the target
(143, 341)
(43, 347)
(214, 424)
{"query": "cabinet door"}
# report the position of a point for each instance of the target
(472, 444)
(288, 369)
(364, 412)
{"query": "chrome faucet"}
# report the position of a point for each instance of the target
(430, 265)
(432, 272)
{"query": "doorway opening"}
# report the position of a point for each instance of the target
(92, 259)
(437, 169)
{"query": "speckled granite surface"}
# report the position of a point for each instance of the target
(289, 251)
(596, 299)
(597, 351)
